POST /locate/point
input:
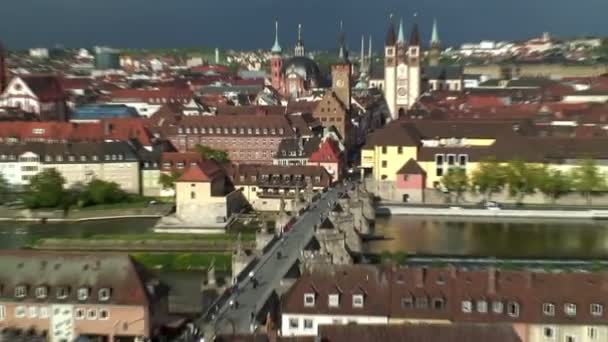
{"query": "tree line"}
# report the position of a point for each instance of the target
(521, 179)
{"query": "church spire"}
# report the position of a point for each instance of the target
(435, 35)
(299, 50)
(362, 49)
(415, 36)
(369, 49)
(276, 48)
(390, 34)
(401, 36)
(343, 51)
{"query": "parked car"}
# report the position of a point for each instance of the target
(491, 205)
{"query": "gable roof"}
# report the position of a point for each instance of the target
(411, 167)
(200, 173)
(328, 152)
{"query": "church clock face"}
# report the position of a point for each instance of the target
(340, 83)
(401, 91)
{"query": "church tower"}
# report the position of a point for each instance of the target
(299, 50)
(435, 51)
(414, 67)
(341, 72)
(390, 66)
(403, 73)
(3, 71)
(276, 61)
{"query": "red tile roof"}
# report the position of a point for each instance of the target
(46, 87)
(146, 95)
(328, 152)
(202, 172)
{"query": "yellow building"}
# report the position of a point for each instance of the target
(437, 146)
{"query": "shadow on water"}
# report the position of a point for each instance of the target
(20, 234)
(501, 238)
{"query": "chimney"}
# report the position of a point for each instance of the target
(492, 275)
(420, 276)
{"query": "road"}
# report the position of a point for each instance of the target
(271, 269)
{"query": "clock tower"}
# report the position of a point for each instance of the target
(341, 74)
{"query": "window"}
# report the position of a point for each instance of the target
(192, 195)
(482, 306)
(407, 303)
(62, 292)
(383, 149)
(463, 159)
(41, 292)
(358, 301)
(400, 150)
(333, 300)
(32, 312)
(438, 304)
(513, 309)
(570, 339)
(20, 291)
(451, 159)
(20, 311)
(294, 323)
(309, 299)
(92, 314)
(422, 302)
(307, 323)
(384, 162)
(570, 309)
(2, 313)
(467, 306)
(592, 333)
(104, 314)
(104, 294)
(383, 177)
(497, 307)
(549, 332)
(439, 172)
(597, 310)
(439, 159)
(83, 293)
(95, 158)
(79, 313)
(548, 309)
(43, 312)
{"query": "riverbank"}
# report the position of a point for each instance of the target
(455, 211)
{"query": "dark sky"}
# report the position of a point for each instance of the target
(249, 23)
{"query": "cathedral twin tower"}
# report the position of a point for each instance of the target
(401, 69)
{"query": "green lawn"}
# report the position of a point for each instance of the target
(184, 261)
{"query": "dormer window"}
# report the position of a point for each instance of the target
(257, 131)
(62, 292)
(570, 309)
(104, 294)
(265, 131)
(597, 310)
(226, 131)
(358, 301)
(187, 130)
(48, 158)
(83, 158)
(83, 293)
(71, 158)
(548, 309)
(210, 130)
(233, 130)
(333, 300)
(38, 131)
(280, 131)
(203, 130)
(309, 299)
(482, 306)
(249, 131)
(195, 130)
(513, 309)
(241, 130)
(273, 131)
(41, 292)
(20, 291)
(180, 130)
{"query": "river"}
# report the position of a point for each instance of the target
(431, 236)
(501, 238)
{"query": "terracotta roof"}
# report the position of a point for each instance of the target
(224, 125)
(92, 270)
(201, 172)
(411, 167)
(418, 333)
(328, 152)
(146, 95)
(250, 110)
(439, 293)
(249, 174)
(46, 87)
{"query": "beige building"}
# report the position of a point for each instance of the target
(548, 70)
(77, 162)
(64, 296)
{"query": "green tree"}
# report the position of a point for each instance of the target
(456, 182)
(209, 153)
(5, 189)
(521, 179)
(587, 178)
(488, 178)
(167, 180)
(554, 183)
(45, 190)
(98, 191)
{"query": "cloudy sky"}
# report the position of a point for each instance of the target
(249, 23)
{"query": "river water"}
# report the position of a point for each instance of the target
(481, 237)
(429, 236)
